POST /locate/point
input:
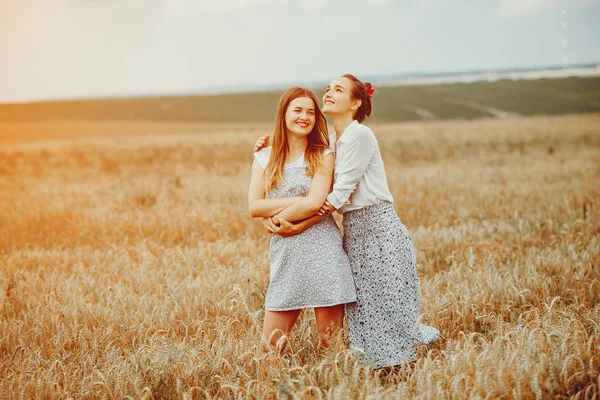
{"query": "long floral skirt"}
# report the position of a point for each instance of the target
(383, 324)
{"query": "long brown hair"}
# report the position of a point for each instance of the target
(318, 140)
(360, 92)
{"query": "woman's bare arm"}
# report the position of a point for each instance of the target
(257, 203)
(286, 228)
(319, 189)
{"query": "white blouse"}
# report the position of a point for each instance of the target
(359, 177)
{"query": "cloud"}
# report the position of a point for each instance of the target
(527, 7)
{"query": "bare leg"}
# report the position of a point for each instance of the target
(278, 324)
(330, 320)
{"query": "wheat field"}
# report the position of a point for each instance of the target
(130, 268)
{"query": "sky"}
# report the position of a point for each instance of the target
(67, 49)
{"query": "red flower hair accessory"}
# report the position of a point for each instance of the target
(370, 89)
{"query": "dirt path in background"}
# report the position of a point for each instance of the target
(422, 112)
(490, 110)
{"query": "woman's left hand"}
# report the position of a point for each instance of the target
(326, 209)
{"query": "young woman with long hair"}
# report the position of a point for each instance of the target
(292, 178)
(383, 325)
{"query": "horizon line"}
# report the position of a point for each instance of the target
(393, 79)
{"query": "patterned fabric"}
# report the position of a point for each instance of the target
(383, 324)
(310, 269)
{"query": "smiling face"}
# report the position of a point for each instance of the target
(338, 97)
(297, 114)
(300, 116)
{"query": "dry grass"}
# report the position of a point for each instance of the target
(130, 267)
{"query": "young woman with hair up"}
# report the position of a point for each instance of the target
(383, 324)
(292, 178)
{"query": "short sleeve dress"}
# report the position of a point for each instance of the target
(310, 269)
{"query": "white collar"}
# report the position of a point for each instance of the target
(347, 131)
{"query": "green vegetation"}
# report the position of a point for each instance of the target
(397, 103)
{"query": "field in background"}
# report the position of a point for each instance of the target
(129, 264)
(504, 99)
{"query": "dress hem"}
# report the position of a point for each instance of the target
(303, 307)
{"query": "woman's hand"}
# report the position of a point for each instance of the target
(285, 228)
(326, 209)
(280, 226)
(261, 143)
(270, 225)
